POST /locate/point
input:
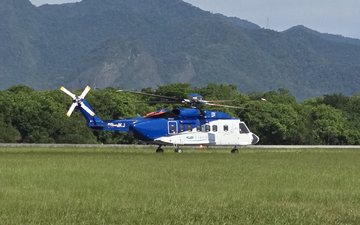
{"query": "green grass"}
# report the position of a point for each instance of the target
(137, 186)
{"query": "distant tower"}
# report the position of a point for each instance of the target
(267, 23)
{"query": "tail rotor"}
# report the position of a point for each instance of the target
(78, 101)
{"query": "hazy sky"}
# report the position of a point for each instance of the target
(329, 16)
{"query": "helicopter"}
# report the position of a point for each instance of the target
(178, 127)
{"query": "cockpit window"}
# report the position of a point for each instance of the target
(243, 128)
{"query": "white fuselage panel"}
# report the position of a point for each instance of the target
(218, 132)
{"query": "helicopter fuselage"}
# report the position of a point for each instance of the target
(185, 126)
(181, 126)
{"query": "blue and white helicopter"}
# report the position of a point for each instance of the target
(178, 127)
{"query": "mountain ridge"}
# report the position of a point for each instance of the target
(140, 43)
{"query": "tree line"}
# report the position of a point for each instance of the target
(30, 116)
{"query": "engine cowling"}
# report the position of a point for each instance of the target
(187, 113)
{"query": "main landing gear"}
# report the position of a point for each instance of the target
(178, 149)
(159, 149)
(235, 150)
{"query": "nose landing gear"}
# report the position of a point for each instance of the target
(235, 150)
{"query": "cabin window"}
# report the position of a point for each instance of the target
(207, 128)
(198, 128)
(189, 127)
(172, 129)
(243, 128)
(214, 128)
(226, 128)
(182, 127)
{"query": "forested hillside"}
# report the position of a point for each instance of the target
(135, 44)
(29, 116)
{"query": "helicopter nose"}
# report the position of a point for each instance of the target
(255, 139)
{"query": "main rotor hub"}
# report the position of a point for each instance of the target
(195, 97)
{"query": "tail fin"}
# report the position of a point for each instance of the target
(89, 114)
(84, 107)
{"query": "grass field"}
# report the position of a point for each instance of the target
(137, 186)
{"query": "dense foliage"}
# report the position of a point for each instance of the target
(29, 116)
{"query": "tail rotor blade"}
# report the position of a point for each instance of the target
(83, 106)
(68, 92)
(72, 108)
(78, 101)
(84, 93)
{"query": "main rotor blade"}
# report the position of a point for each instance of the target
(87, 109)
(152, 95)
(225, 106)
(86, 90)
(149, 102)
(165, 102)
(72, 107)
(214, 101)
(68, 92)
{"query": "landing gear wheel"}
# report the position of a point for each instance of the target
(234, 151)
(159, 149)
(178, 149)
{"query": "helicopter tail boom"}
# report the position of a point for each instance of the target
(92, 120)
